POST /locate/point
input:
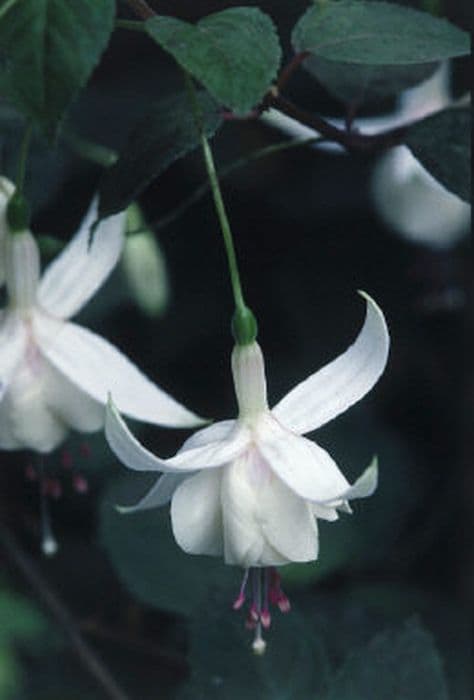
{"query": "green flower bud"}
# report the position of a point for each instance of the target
(18, 213)
(244, 326)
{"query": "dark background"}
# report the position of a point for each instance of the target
(307, 237)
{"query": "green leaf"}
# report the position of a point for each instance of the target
(376, 33)
(235, 54)
(357, 83)
(142, 549)
(48, 50)
(167, 132)
(397, 665)
(294, 666)
(442, 143)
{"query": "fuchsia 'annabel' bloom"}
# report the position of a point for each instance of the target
(251, 489)
(54, 374)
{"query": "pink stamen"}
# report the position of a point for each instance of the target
(284, 604)
(265, 618)
(238, 602)
(80, 484)
(254, 613)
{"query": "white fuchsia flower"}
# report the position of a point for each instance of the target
(54, 374)
(251, 489)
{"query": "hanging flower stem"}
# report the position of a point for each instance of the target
(18, 210)
(244, 325)
(22, 159)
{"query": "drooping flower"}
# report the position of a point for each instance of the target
(251, 489)
(54, 374)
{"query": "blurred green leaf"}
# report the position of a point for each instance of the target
(142, 549)
(442, 143)
(19, 620)
(20, 624)
(294, 666)
(167, 132)
(397, 665)
(235, 54)
(352, 82)
(376, 33)
(48, 49)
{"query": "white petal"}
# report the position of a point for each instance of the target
(133, 455)
(25, 420)
(22, 269)
(12, 347)
(83, 266)
(158, 495)
(7, 188)
(324, 512)
(196, 514)
(306, 468)
(71, 405)
(362, 488)
(265, 523)
(212, 433)
(248, 370)
(341, 383)
(98, 368)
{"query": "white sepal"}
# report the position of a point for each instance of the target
(83, 266)
(98, 368)
(337, 386)
(133, 455)
(159, 494)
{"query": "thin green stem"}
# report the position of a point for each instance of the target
(89, 150)
(218, 201)
(224, 172)
(132, 24)
(22, 159)
(224, 224)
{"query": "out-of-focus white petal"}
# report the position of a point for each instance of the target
(414, 204)
(196, 514)
(265, 523)
(71, 405)
(12, 346)
(158, 495)
(25, 420)
(212, 433)
(22, 269)
(133, 455)
(303, 466)
(337, 386)
(98, 368)
(248, 370)
(78, 272)
(7, 188)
